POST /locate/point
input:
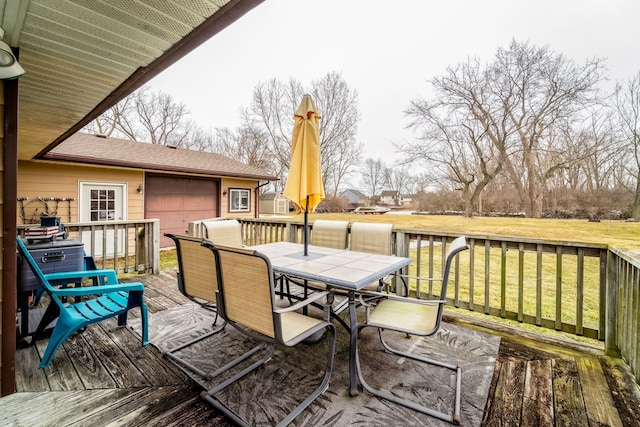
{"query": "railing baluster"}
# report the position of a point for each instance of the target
(602, 307)
(503, 280)
(472, 255)
(520, 282)
(539, 285)
(487, 283)
(580, 293)
(558, 288)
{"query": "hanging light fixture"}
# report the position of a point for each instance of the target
(9, 66)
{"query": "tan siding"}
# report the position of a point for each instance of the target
(47, 180)
(238, 183)
(1, 220)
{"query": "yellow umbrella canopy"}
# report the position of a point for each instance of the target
(304, 183)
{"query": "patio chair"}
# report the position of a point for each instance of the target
(246, 299)
(227, 232)
(325, 233)
(418, 317)
(330, 234)
(198, 281)
(101, 302)
(373, 238)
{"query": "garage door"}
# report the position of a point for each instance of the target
(176, 201)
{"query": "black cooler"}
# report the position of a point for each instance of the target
(52, 256)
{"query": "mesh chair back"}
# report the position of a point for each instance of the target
(330, 234)
(371, 237)
(246, 289)
(197, 268)
(458, 245)
(227, 232)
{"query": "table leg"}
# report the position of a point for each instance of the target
(353, 335)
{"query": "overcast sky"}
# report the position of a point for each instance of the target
(387, 51)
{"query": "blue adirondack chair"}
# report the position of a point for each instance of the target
(106, 300)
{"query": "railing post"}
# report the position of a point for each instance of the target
(402, 244)
(155, 246)
(611, 308)
(402, 249)
(291, 232)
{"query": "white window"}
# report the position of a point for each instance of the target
(103, 204)
(239, 200)
(102, 201)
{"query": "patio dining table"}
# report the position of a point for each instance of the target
(339, 268)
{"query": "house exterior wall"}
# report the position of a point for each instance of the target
(49, 180)
(243, 184)
(2, 284)
(60, 181)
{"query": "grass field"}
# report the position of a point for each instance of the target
(616, 233)
(620, 233)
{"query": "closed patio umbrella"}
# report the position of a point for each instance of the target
(304, 182)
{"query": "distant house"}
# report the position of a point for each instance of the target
(90, 178)
(274, 203)
(355, 198)
(390, 197)
(407, 199)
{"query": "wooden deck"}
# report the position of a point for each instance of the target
(537, 381)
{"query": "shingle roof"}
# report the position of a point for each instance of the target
(356, 193)
(99, 150)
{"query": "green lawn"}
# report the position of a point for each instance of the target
(617, 233)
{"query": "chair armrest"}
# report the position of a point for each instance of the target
(312, 298)
(407, 276)
(380, 295)
(97, 290)
(109, 274)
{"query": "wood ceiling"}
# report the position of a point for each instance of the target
(82, 56)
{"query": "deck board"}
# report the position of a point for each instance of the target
(506, 405)
(537, 402)
(601, 408)
(123, 370)
(104, 376)
(90, 369)
(569, 405)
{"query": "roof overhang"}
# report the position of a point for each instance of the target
(81, 57)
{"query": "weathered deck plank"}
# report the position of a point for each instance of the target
(123, 370)
(61, 374)
(537, 402)
(624, 389)
(29, 376)
(87, 363)
(506, 405)
(601, 409)
(147, 359)
(528, 372)
(569, 403)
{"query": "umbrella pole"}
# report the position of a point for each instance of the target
(306, 223)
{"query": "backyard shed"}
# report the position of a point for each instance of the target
(273, 203)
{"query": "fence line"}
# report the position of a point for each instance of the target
(131, 246)
(591, 290)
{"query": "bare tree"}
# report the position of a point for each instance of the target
(374, 174)
(542, 94)
(520, 106)
(627, 104)
(340, 152)
(247, 146)
(146, 116)
(399, 180)
(455, 145)
(271, 113)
